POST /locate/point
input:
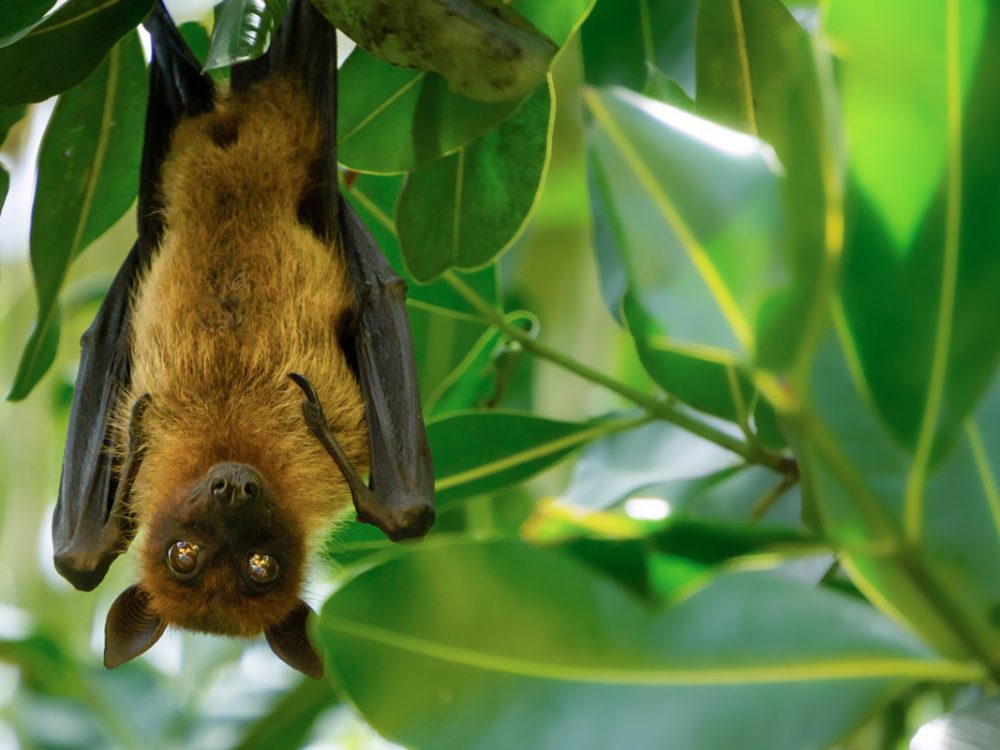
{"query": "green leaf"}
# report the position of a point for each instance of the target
(484, 51)
(21, 16)
(489, 643)
(696, 212)
(289, 721)
(919, 270)
(614, 467)
(441, 341)
(481, 451)
(975, 727)
(478, 378)
(374, 198)
(757, 73)
(88, 173)
(633, 43)
(467, 208)
(243, 31)
(9, 117)
(396, 120)
(64, 49)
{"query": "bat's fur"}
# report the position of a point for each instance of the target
(239, 295)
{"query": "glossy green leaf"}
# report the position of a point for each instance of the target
(485, 51)
(614, 467)
(63, 50)
(374, 198)
(544, 647)
(480, 451)
(635, 43)
(757, 73)
(921, 99)
(396, 120)
(975, 727)
(465, 209)
(88, 174)
(243, 31)
(696, 211)
(21, 16)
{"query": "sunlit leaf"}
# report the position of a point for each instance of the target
(88, 174)
(697, 213)
(921, 99)
(64, 49)
(541, 646)
(465, 209)
(243, 31)
(975, 727)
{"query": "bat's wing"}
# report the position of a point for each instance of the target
(401, 497)
(88, 531)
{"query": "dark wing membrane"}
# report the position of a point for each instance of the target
(402, 474)
(88, 532)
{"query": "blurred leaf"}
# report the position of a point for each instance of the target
(196, 37)
(757, 73)
(921, 99)
(396, 120)
(88, 174)
(63, 50)
(478, 378)
(491, 643)
(612, 468)
(975, 727)
(291, 718)
(484, 50)
(632, 43)
(467, 208)
(695, 210)
(374, 198)
(9, 117)
(441, 342)
(4, 184)
(481, 451)
(21, 16)
(243, 31)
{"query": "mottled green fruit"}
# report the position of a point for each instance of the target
(483, 49)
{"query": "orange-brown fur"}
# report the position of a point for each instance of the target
(239, 295)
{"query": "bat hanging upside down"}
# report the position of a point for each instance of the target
(251, 361)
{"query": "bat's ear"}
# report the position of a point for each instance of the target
(131, 628)
(289, 642)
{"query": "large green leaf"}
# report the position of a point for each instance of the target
(396, 120)
(88, 174)
(465, 209)
(757, 73)
(19, 17)
(488, 644)
(698, 215)
(635, 43)
(485, 50)
(243, 31)
(975, 727)
(291, 718)
(63, 50)
(481, 451)
(374, 197)
(921, 99)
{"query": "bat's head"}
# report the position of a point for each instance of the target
(223, 559)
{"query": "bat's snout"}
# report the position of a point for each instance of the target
(235, 485)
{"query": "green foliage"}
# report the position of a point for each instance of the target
(762, 474)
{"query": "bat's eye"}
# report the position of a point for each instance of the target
(262, 568)
(182, 558)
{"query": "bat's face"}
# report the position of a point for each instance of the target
(222, 559)
(219, 558)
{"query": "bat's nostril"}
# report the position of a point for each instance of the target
(219, 487)
(250, 489)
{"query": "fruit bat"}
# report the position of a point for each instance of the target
(252, 360)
